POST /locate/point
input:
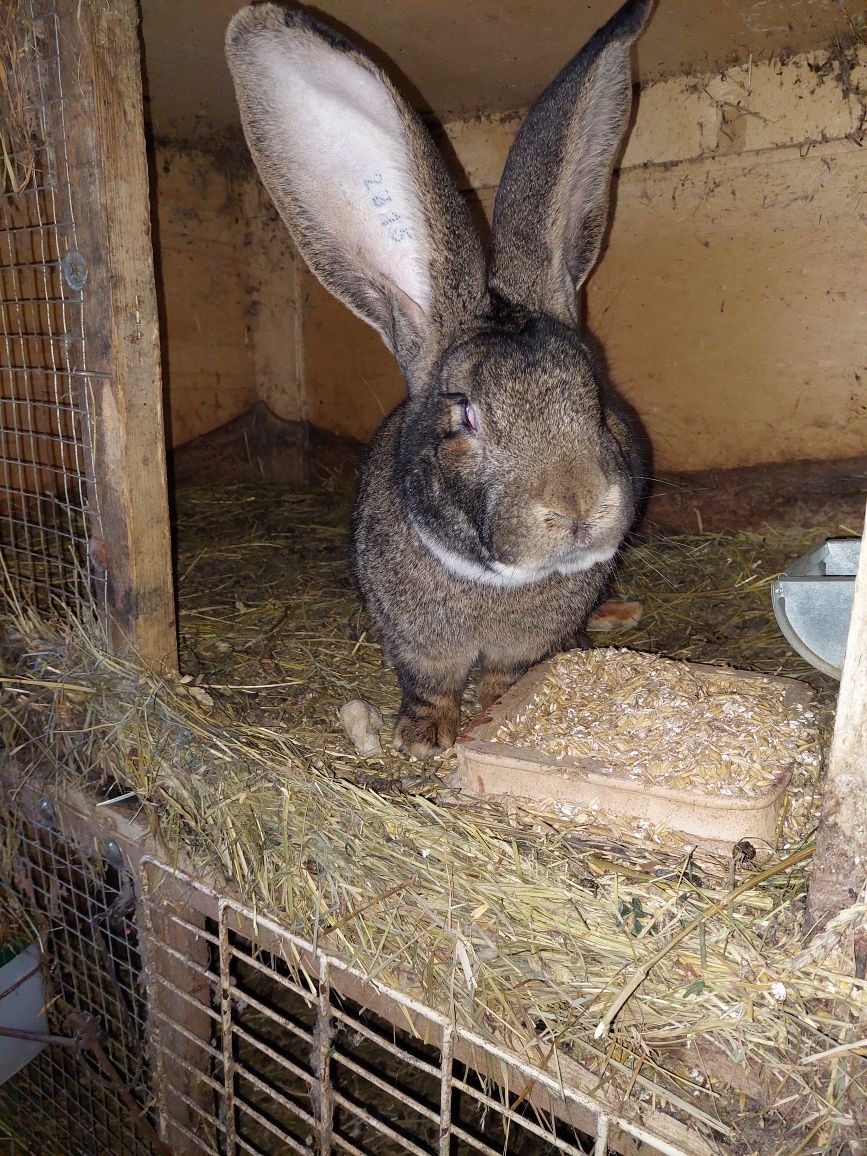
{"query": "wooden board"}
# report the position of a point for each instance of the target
(202, 278)
(274, 285)
(493, 55)
(839, 876)
(227, 279)
(104, 129)
(256, 447)
(485, 767)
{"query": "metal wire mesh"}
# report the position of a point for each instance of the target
(77, 1098)
(262, 1045)
(48, 507)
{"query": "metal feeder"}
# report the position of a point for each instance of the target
(812, 600)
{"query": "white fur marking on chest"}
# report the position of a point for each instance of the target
(499, 574)
(469, 571)
(585, 562)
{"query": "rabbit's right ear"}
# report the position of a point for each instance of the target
(551, 208)
(357, 179)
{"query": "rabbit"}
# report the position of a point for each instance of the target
(493, 500)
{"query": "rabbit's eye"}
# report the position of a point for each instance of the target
(468, 416)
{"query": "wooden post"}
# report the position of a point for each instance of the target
(840, 863)
(104, 136)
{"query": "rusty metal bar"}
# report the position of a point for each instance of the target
(244, 1073)
(243, 997)
(199, 1076)
(207, 1116)
(527, 1125)
(189, 1135)
(199, 932)
(347, 1146)
(324, 1032)
(384, 1086)
(188, 1035)
(190, 964)
(185, 995)
(473, 1142)
(361, 1113)
(447, 1052)
(308, 996)
(289, 1065)
(226, 1010)
(330, 969)
(375, 1038)
(600, 1148)
(269, 1126)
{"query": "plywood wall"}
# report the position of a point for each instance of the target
(227, 289)
(731, 296)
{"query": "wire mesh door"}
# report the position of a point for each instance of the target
(263, 1045)
(83, 509)
(87, 1092)
(203, 1027)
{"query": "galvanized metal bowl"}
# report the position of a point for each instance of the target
(812, 600)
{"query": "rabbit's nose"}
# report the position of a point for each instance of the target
(580, 532)
(578, 528)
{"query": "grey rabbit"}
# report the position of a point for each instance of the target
(495, 497)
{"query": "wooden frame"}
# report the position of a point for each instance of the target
(839, 876)
(104, 136)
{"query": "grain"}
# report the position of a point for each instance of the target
(666, 723)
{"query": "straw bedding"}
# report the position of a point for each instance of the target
(20, 138)
(678, 977)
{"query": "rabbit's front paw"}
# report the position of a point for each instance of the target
(494, 681)
(425, 727)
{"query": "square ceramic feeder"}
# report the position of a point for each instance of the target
(500, 767)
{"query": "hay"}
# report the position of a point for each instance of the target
(527, 929)
(20, 136)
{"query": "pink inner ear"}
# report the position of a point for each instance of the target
(471, 417)
(335, 128)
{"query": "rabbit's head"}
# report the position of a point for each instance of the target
(511, 466)
(508, 467)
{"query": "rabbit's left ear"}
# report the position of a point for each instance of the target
(551, 209)
(358, 180)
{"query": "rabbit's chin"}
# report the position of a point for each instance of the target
(502, 574)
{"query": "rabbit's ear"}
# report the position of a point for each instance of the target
(357, 178)
(551, 209)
